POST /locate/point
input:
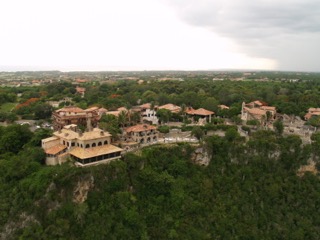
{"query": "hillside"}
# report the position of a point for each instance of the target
(250, 190)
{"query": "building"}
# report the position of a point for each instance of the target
(87, 148)
(81, 91)
(259, 111)
(149, 113)
(201, 115)
(171, 107)
(74, 115)
(311, 113)
(222, 107)
(141, 133)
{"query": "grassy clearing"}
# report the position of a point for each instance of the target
(7, 107)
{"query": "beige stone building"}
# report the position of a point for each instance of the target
(257, 110)
(88, 148)
(74, 115)
(141, 133)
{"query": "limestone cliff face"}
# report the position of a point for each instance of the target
(83, 186)
(201, 156)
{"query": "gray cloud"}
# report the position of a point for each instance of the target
(287, 31)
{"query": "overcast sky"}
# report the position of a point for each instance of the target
(72, 35)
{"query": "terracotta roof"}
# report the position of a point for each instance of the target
(140, 128)
(49, 139)
(145, 106)
(200, 112)
(55, 149)
(268, 108)
(120, 109)
(255, 111)
(91, 109)
(84, 153)
(66, 134)
(114, 113)
(171, 107)
(103, 110)
(94, 134)
(314, 110)
(70, 109)
(80, 89)
(257, 102)
(223, 107)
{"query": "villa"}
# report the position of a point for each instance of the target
(87, 148)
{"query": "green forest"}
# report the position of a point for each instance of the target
(250, 190)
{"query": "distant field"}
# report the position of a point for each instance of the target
(7, 107)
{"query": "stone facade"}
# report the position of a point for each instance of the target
(85, 148)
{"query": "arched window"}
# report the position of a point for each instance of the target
(99, 143)
(93, 145)
(106, 142)
(87, 145)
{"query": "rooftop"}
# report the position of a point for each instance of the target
(171, 107)
(200, 112)
(55, 149)
(140, 128)
(70, 109)
(49, 139)
(94, 152)
(68, 134)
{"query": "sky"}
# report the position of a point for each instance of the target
(104, 35)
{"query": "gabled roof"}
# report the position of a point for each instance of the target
(171, 107)
(55, 149)
(140, 128)
(223, 106)
(199, 112)
(255, 111)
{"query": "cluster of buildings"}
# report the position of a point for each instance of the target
(78, 137)
(259, 111)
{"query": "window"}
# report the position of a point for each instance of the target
(87, 145)
(105, 142)
(93, 145)
(99, 143)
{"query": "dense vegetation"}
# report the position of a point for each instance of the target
(250, 190)
(196, 91)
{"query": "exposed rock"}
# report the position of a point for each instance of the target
(310, 167)
(82, 188)
(201, 157)
(11, 227)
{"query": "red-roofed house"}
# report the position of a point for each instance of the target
(81, 91)
(75, 115)
(312, 112)
(201, 114)
(257, 110)
(171, 107)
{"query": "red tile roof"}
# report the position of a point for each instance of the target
(171, 107)
(140, 128)
(70, 109)
(200, 112)
(55, 149)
